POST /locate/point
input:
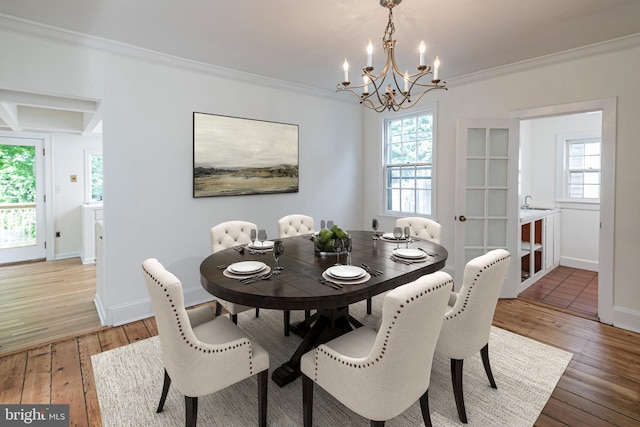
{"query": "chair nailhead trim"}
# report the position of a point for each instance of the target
(471, 287)
(379, 357)
(245, 343)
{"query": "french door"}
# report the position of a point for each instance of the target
(22, 209)
(486, 215)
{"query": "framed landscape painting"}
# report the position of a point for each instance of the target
(233, 156)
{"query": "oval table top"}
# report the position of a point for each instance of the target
(298, 286)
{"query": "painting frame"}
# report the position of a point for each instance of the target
(235, 156)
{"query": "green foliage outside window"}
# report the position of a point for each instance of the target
(96, 177)
(17, 174)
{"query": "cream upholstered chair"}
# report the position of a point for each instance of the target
(380, 374)
(295, 225)
(422, 228)
(227, 235)
(467, 322)
(202, 354)
(289, 226)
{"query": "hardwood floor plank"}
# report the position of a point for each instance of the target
(136, 331)
(571, 401)
(66, 381)
(12, 369)
(112, 338)
(546, 421)
(37, 379)
(88, 345)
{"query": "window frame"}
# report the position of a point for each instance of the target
(563, 145)
(88, 182)
(386, 187)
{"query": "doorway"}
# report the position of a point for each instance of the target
(605, 241)
(22, 202)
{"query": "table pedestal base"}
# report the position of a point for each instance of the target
(323, 326)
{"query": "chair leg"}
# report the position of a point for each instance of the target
(287, 321)
(484, 352)
(307, 400)
(377, 423)
(263, 382)
(234, 318)
(165, 391)
(191, 406)
(218, 309)
(369, 305)
(307, 314)
(424, 407)
(456, 378)
(257, 312)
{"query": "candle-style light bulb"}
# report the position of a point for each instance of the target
(366, 84)
(406, 81)
(422, 50)
(436, 65)
(369, 54)
(345, 67)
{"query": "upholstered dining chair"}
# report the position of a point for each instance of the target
(201, 353)
(380, 374)
(467, 322)
(227, 235)
(295, 225)
(288, 226)
(422, 228)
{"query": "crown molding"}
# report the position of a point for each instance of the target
(615, 45)
(70, 38)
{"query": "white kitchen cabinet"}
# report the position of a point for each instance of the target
(539, 244)
(91, 212)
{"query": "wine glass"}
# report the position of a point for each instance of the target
(330, 224)
(374, 225)
(322, 224)
(337, 248)
(348, 245)
(254, 235)
(407, 231)
(278, 250)
(397, 234)
(262, 236)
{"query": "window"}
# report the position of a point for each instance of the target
(93, 176)
(408, 164)
(581, 169)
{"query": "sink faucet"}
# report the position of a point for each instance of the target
(526, 203)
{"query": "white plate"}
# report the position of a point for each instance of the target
(247, 267)
(268, 244)
(409, 253)
(346, 272)
(390, 236)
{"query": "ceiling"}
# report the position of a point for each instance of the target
(305, 42)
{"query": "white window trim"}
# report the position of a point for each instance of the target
(561, 177)
(433, 110)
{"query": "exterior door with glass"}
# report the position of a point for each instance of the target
(22, 210)
(487, 194)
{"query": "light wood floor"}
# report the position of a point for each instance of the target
(42, 302)
(601, 386)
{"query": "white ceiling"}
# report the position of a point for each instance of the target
(305, 42)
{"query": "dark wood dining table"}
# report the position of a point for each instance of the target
(298, 287)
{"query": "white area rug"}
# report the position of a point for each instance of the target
(129, 383)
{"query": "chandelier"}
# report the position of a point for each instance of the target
(398, 91)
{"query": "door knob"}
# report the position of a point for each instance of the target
(462, 218)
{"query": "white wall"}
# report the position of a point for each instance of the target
(579, 222)
(69, 159)
(609, 72)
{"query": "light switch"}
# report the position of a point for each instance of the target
(74, 178)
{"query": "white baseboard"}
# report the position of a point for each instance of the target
(67, 255)
(626, 319)
(582, 264)
(141, 309)
(101, 310)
